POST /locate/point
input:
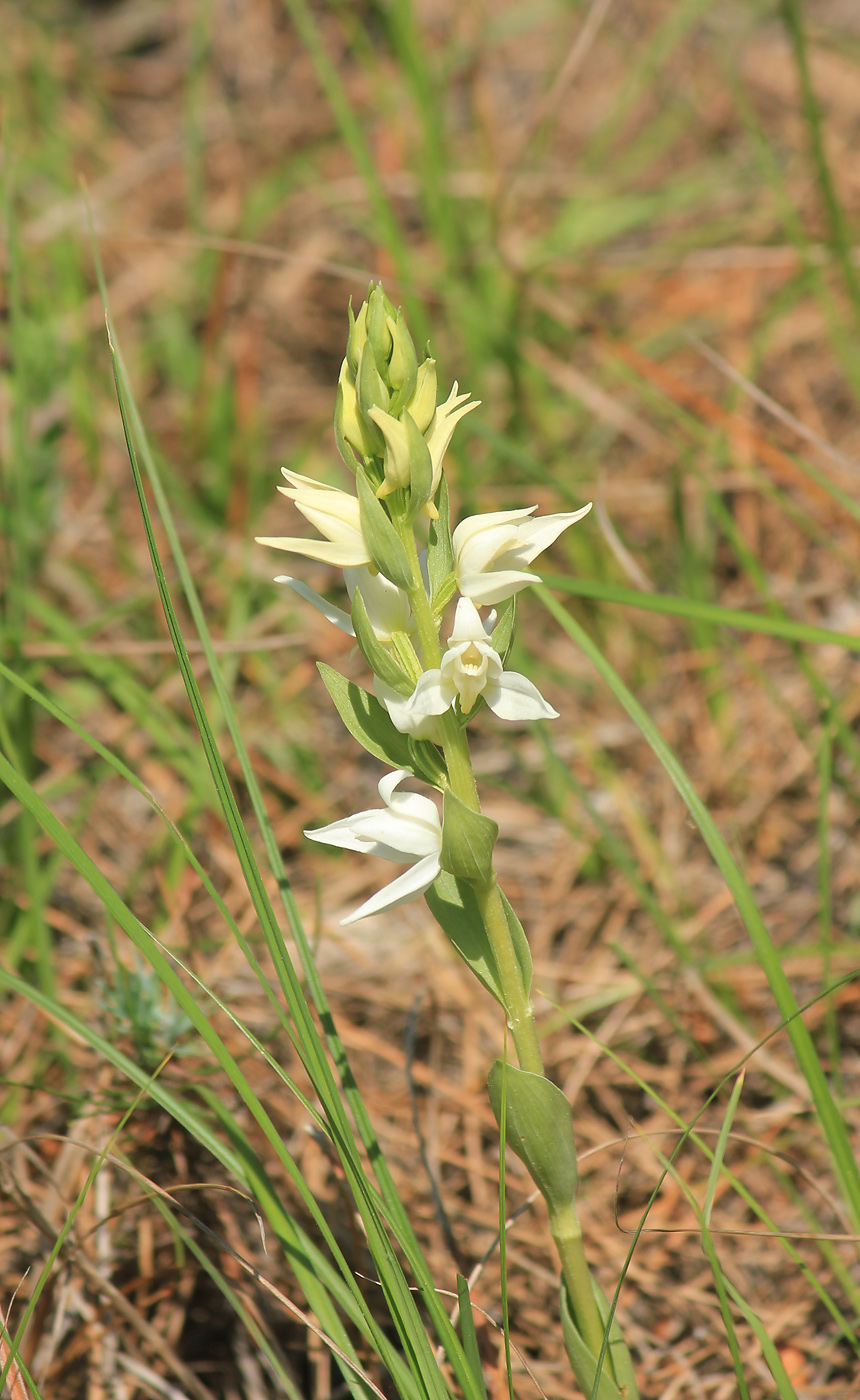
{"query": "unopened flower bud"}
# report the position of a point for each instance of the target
(357, 336)
(378, 309)
(371, 393)
(347, 421)
(407, 458)
(404, 362)
(396, 451)
(422, 404)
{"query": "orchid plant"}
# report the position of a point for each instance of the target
(403, 567)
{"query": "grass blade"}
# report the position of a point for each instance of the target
(832, 1122)
(697, 611)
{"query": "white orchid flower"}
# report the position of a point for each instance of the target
(441, 430)
(402, 716)
(491, 550)
(471, 667)
(387, 606)
(407, 829)
(335, 514)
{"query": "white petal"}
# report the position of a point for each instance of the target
(468, 626)
(380, 832)
(336, 519)
(409, 885)
(390, 782)
(444, 424)
(419, 726)
(494, 587)
(477, 551)
(514, 697)
(342, 554)
(476, 524)
(537, 535)
(316, 600)
(346, 833)
(298, 482)
(387, 605)
(419, 824)
(431, 696)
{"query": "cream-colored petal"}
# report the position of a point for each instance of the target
(329, 611)
(513, 697)
(410, 885)
(324, 551)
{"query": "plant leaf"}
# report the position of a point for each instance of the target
(470, 1336)
(453, 905)
(381, 663)
(440, 550)
(384, 543)
(367, 720)
(468, 839)
(538, 1128)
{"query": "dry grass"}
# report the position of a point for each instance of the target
(234, 228)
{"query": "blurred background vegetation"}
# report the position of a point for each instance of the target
(626, 226)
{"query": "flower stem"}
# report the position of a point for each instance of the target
(518, 1005)
(564, 1222)
(567, 1233)
(454, 742)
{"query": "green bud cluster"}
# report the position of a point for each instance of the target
(386, 404)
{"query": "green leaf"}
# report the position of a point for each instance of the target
(383, 542)
(366, 720)
(428, 762)
(371, 393)
(468, 839)
(453, 905)
(403, 361)
(420, 466)
(381, 662)
(440, 550)
(470, 1336)
(503, 632)
(769, 1351)
(584, 1364)
(378, 333)
(538, 1128)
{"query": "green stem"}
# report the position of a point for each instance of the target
(564, 1222)
(454, 742)
(521, 1016)
(567, 1233)
(462, 780)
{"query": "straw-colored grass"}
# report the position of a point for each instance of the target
(568, 201)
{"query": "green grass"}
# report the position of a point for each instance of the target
(669, 144)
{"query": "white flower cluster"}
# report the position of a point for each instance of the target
(489, 556)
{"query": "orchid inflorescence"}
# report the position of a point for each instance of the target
(393, 434)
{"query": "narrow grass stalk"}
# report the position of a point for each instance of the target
(698, 611)
(687, 1133)
(841, 238)
(400, 1300)
(832, 1122)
